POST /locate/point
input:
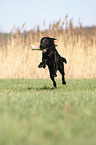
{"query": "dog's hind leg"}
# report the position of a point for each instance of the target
(52, 75)
(61, 69)
(54, 83)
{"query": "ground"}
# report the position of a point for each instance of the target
(32, 112)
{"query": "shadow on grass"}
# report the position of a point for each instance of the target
(43, 88)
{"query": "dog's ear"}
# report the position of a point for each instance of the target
(53, 38)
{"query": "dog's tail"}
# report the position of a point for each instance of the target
(64, 60)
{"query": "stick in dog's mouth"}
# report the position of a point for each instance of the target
(34, 47)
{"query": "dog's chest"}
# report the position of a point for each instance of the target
(51, 55)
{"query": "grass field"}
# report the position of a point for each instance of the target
(34, 113)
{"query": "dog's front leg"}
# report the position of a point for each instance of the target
(44, 61)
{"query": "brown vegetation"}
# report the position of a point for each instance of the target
(76, 44)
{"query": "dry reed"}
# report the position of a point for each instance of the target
(76, 44)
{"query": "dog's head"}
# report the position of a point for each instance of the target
(47, 43)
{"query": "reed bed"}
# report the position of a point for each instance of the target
(76, 44)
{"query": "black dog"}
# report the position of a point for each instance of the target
(52, 59)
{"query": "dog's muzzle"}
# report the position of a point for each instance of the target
(44, 50)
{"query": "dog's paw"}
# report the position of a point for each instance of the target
(64, 83)
(44, 66)
(41, 65)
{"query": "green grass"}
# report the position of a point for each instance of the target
(32, 112)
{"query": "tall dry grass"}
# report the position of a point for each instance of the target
(76, 44)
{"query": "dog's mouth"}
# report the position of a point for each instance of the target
(44, 50)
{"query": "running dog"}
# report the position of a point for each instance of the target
(52, 59)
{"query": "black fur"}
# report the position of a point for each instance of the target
(52, 59)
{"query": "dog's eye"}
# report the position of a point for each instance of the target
(45, 41)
